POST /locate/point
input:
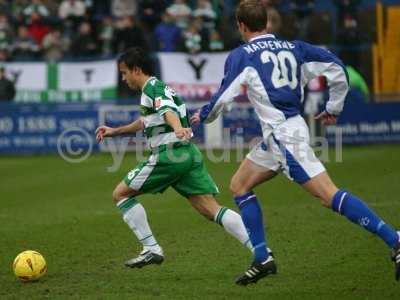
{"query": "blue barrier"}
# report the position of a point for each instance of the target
(48, 128)
(360, 122)
(242, 122)
(364, 123)
(36, 128)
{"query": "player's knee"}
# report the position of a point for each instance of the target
(116, 196)
(236, 187)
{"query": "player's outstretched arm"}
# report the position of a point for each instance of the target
(195, 118)
(231, 86)
(105, 131)
(172, 120)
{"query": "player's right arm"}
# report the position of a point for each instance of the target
(105, 131)
(234, 78)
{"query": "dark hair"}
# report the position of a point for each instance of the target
(137, 58)
(253, 13)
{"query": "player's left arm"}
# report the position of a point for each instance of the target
(171, 118)
(231, 85)
(166, 107)
(320, 62)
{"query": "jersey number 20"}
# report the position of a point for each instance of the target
(279, 75)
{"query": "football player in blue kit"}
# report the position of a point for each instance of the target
(275, 72)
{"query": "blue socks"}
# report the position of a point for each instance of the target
(343, 203)
(252, 218)
(358, 212)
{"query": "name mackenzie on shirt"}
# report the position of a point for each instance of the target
(271, 45)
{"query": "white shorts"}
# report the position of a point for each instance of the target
(288, 149)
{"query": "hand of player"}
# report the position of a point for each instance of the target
(104, 131)
(326, 118)
(195, 118)
(184, 133)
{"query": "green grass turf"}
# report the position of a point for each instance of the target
(65, 212)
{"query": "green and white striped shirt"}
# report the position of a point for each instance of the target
(158, 98)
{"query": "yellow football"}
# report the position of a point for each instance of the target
(29, 265)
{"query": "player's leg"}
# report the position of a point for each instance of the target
(350, 206)
(230, 220)
(355, 210)
(143, 179)
(248, 176)
(198, 186)
(135, 217)
(257, 168)
(302, 166)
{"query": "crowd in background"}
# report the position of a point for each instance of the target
(73, 29)
(54, 30)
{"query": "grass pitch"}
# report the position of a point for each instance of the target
(65, 212)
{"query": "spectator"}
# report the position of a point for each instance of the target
(4, 6)
(229, 34)
(167, 34)
(181, 12)
(17, 9)
(84, 44)
(228, 8)
(36, 7)
(274, 21)
(347, 9)
(72, 9)
(37, 28)
(106, 36)
(302, 9)
(24, 47)
(53, 46)
(205, 11)
(4, 55)
(7, 87)
(349, 37)
(218, 7)
(123, 8)
(52, 7)
(150, 12)
(216, 43)
(101, 8)
(271, 3)
(192, 39)
(127, 35)
(5, 33)
(72, 12)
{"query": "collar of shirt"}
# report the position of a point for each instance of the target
(271, 36)
(147, 81)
